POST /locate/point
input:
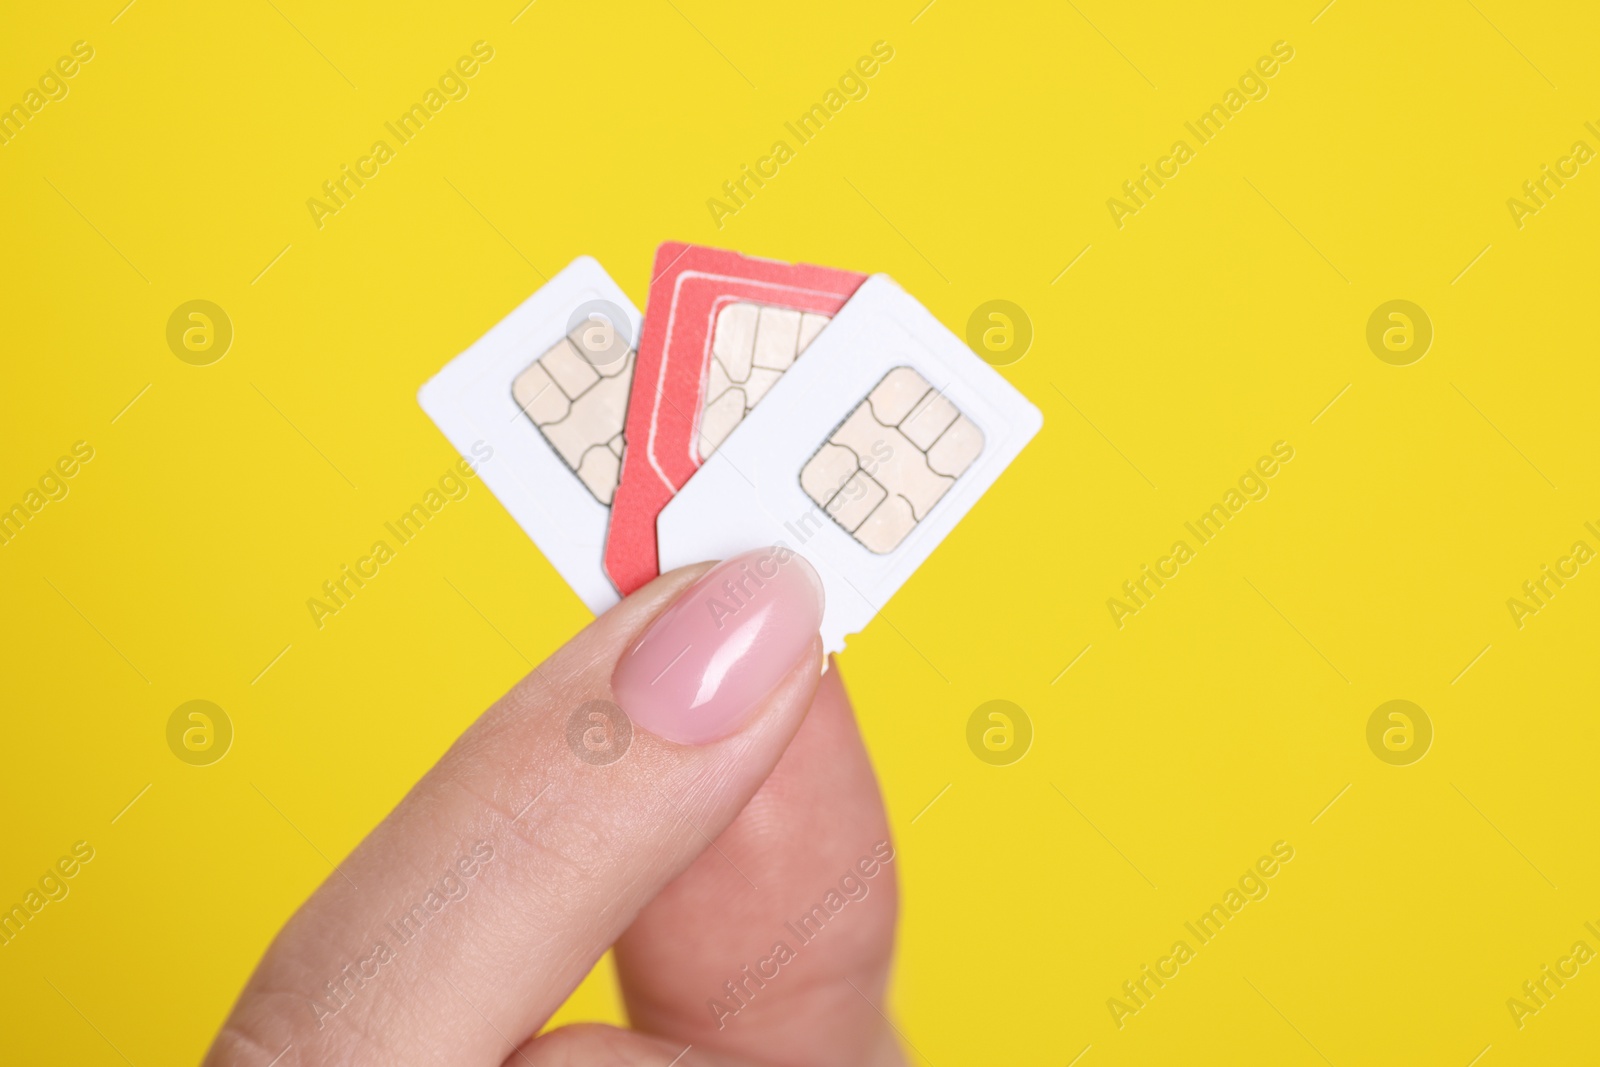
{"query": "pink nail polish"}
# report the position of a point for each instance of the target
(721, 646)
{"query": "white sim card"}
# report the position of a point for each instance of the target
(862, 456)
(547, 389)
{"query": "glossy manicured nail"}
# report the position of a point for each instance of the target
(721, 646)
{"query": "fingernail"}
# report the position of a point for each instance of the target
(721, 647)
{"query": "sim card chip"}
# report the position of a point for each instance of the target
(576, 393)
(891, 460)
(536, 403)
(751, 346)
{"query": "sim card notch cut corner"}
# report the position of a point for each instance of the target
(869, 452)
(539, 403)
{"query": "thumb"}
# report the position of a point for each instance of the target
(461, 923)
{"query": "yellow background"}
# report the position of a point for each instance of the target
(1223, 317)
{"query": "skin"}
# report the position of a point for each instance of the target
(690, 860)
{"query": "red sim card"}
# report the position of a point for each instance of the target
(719, 329)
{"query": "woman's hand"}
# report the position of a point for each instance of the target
(726, 834)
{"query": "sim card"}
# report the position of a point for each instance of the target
(864, 456)
(723, 330)
(545, 391)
